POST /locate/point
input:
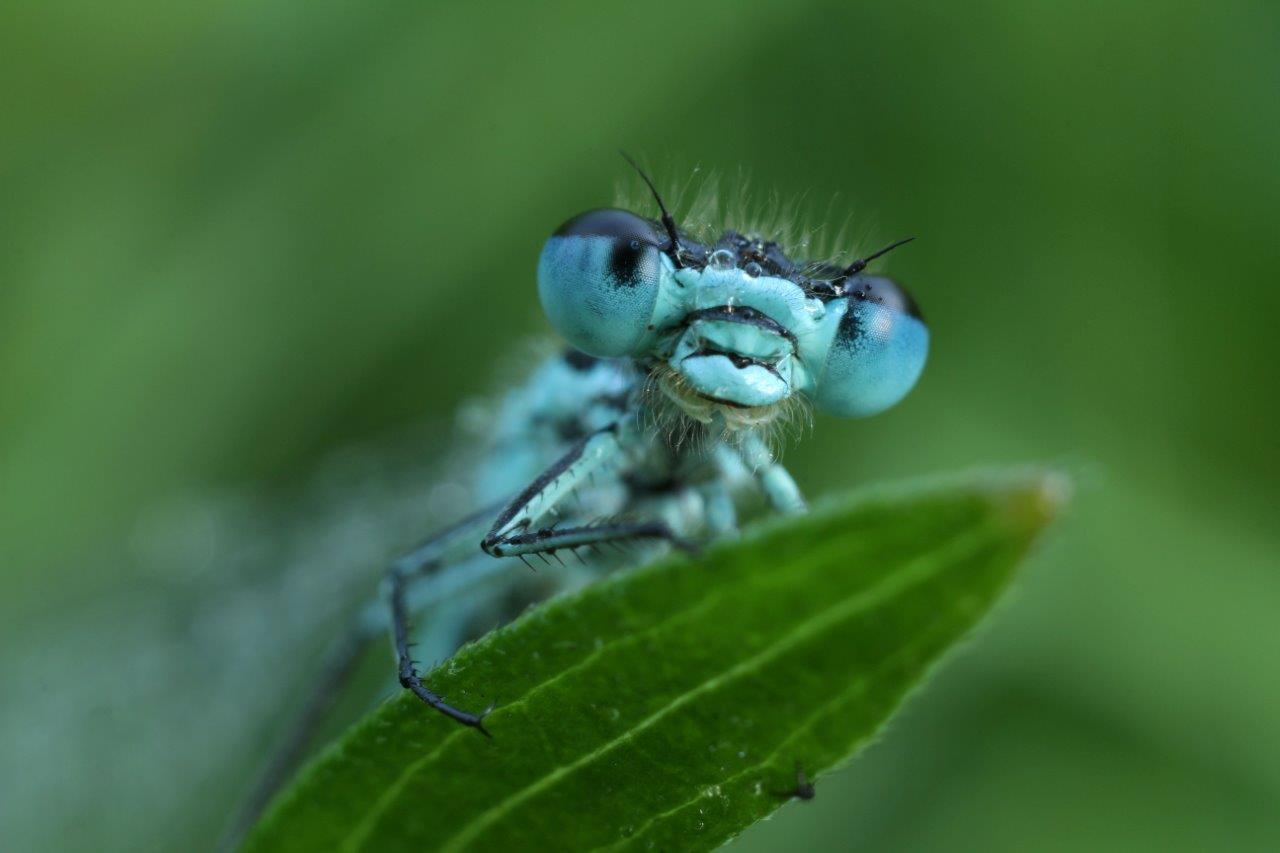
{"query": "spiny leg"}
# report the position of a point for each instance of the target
(510, 534)
(548, 540)
(439, 548)
(540, 497)
(426, 560)
(552, 486)
(407, 671)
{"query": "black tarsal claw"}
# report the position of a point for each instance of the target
(480, 718)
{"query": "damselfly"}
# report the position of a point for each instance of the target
(686, 351)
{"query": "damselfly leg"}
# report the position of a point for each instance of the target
(511, 535)
(440, 569)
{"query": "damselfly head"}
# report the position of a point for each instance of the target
(732, 326)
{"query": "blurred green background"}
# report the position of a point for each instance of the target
(254, 255)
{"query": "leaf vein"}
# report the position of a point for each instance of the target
(356, 839)
(917, 570)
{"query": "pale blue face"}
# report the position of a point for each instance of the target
(737, 324)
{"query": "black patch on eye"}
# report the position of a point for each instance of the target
(632, 237)
(849, 330)
(876, 289)
(625, 260)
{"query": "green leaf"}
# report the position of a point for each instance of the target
(669, 707)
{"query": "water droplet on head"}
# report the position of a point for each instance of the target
(753, 269)
(722, 259)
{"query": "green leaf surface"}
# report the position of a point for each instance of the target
(668, 707)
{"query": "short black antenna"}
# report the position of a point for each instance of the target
(668, 221)
(861, 264)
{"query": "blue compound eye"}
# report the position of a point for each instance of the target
(598, 280)
(878, 351)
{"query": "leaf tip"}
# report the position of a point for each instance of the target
(1038, 500)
